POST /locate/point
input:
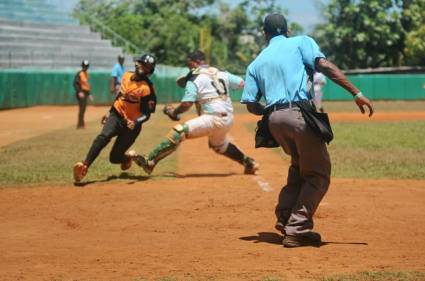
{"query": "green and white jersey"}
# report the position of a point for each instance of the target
(210, 88)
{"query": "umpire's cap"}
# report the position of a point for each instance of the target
(85, 63)
(275, 24)
(147, 59)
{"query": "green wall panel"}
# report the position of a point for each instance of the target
(22, 88)
(381, 87)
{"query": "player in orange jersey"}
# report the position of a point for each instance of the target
(133, 106)
(82, 91)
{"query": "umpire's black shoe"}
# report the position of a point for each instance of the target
(311, 239)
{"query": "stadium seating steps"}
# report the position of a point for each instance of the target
(38, 34)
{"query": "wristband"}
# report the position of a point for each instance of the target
(358, 95)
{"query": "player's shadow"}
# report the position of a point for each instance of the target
(123, 176)
(204, 175)
(274, 238)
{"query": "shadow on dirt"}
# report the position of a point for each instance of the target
(265, 237)
(206, 175)
(274, 238)
(122, 176)
(324, 243)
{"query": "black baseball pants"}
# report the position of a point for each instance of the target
(82, 105)
(115, 126)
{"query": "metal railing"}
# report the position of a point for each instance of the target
(107, 33)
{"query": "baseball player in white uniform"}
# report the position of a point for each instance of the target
(208, 88)
(319, 80)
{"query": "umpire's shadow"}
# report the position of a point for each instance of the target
(274, 238)
(122, 176)
(264, 237)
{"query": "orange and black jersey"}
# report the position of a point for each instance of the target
(136, 94)
(81, 82)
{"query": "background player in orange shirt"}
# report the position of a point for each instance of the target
(82, 91)
(133, 106)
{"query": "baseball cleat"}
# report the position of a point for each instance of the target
(250, 166)
(145, 163)
(312, 239)
(129, 155)
(80, 171)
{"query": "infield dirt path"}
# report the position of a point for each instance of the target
(209, 222)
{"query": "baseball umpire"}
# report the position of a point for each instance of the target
(133, 106)
(279, 74)
(208, 87)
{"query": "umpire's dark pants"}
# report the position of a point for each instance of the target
(82, 105)
(308, 175)
(115, 126)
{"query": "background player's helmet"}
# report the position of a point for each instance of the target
(147, 59)
(85, 63)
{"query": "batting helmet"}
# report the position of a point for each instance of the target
(85, 63)
(149, 60)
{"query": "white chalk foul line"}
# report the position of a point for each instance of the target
(265, 186)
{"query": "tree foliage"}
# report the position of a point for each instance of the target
(355, 34)
(373, 33)
(170, 29)
(414, 23)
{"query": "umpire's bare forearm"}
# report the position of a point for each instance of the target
(335, 74)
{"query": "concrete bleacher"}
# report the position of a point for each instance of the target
(37, 34)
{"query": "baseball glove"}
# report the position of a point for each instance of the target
(170, 112)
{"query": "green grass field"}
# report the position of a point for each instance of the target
(393, 150)
(350, 106)
(380, 106)
(373, 150)
(48, 159)
(378, 276)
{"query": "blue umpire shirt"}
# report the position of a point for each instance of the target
(118, 71)
(279, 72)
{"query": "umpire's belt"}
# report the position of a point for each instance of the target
(279, 106)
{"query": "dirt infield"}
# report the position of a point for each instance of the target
(208, 222)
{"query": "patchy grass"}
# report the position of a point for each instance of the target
(49, 158)
(350, 106)
(374, 150)
(378, 150)
(378, 276)
(360, 276)
(380, 106)
(394, 150)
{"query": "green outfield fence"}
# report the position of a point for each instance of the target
(23, 88)
(381, 87)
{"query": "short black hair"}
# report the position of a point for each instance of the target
(196, 55)
(275, 24)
